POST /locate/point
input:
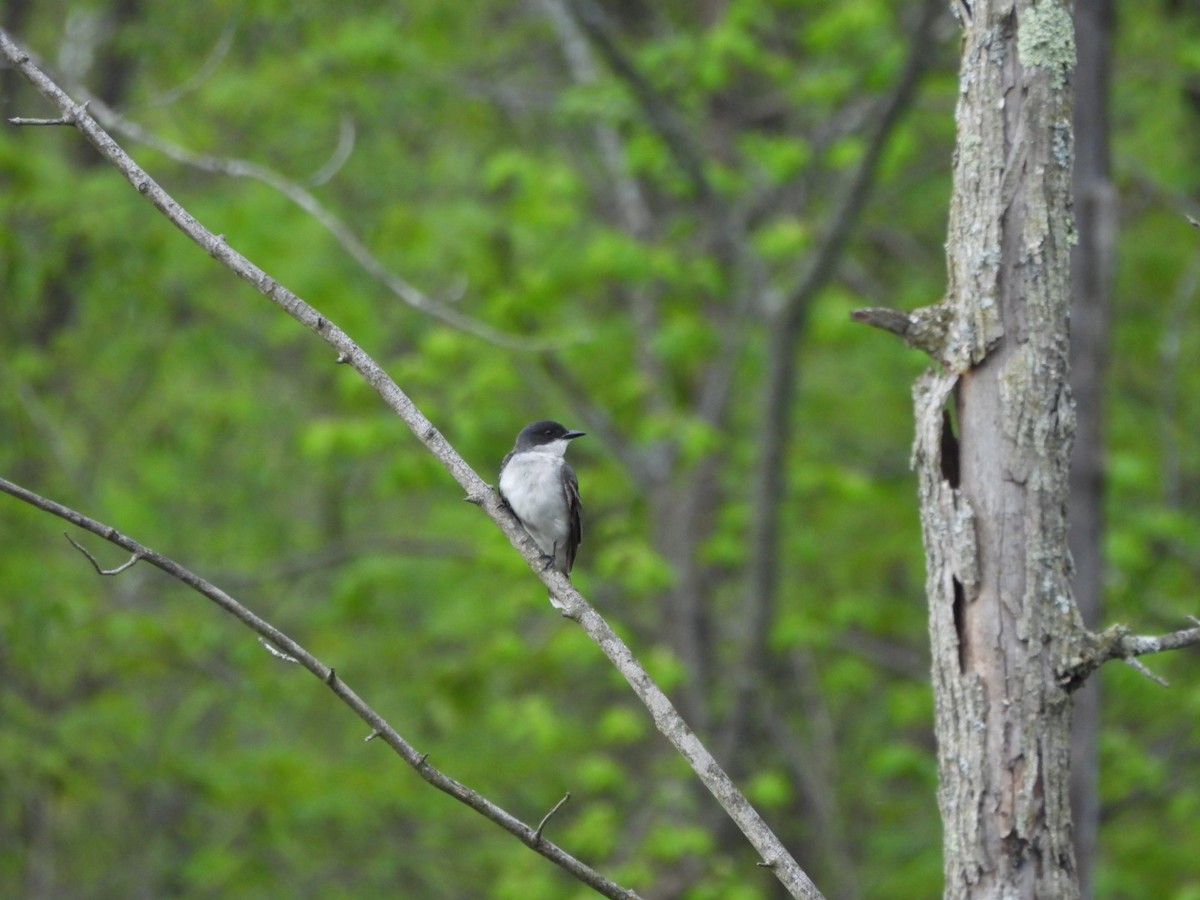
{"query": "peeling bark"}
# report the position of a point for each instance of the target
(1002, 619)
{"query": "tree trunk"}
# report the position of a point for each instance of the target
(993, 495)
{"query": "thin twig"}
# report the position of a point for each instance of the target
(95, 565)
(206, 70)
(1139, 666)
(341, 153)
(537, 833)
(61, 120)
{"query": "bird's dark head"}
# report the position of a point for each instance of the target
(545, 435)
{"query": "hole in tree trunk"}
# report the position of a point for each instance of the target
(960, 625)
(949, 450)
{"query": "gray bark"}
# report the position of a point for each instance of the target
(993, 495)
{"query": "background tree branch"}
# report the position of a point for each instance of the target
(779, 388)
(307, 201)
(661, 115)
(666, 717)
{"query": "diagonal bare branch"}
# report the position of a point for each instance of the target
(284, 647)
(666, 718)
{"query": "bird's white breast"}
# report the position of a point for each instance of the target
(532, 484)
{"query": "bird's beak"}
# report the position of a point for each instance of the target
(571, 435)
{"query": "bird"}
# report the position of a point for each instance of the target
(539, 486)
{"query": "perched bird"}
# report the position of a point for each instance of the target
(540, 488)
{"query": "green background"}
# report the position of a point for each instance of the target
(149, 747)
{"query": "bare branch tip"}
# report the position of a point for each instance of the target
(370, 737)
(95, 565)
(537, 833)
(342, 359)
(891, 320)
(331, 677)
(20, 120)
(83, 550)
(922, 329)
(1139, 666)
(341, 153)
(69, 118)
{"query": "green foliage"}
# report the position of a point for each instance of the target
(1149, 738)
(145, 386)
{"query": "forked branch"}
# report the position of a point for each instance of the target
(1117, 642)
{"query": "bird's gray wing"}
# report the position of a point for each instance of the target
(574, 508)
(503, 463)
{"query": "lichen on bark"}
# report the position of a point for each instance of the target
(1046, 39)
(1002, 622)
